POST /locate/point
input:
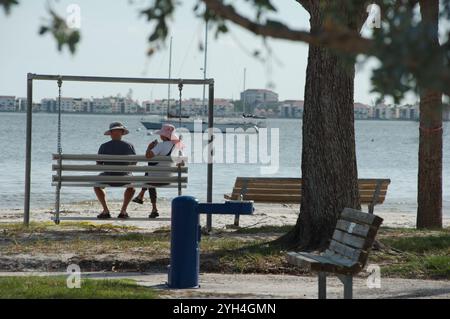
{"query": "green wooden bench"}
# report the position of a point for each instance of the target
(347, 252)
(287, 190)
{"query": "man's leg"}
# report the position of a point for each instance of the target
(101, 196)
(127, 196)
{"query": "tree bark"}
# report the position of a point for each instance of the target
(429, 195)
(329, 170)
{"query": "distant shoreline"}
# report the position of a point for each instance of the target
(144, 115)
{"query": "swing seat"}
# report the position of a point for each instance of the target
(71, 171)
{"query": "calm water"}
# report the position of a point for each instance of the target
(385, 149)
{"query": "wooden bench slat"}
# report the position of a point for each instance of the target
(271, 198)
(354, 215)
(293, 198)
(322, 262)
(365, 194)
(119, 168)
(264, 179)
(268, 191)
(361, 181)
(268, 185)
(349, 239)
(118, 179)
(304, 258)
(297, 259)
(339, 258)
(263, 198)
(345, 251)
(130, 185)
(353, 228)
(362, 190)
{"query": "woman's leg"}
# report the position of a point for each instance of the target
(142, 193)
(140, 197)
(153, 197)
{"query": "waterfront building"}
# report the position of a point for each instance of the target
(7, 103)
(408, 112)
(21, 104)
(101, 105)
(48, 105)
(361, 111)
(291, 109)
(251, 98)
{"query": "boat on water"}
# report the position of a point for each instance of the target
(247, 123)
(198, 125)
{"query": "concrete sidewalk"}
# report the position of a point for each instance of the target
(275, 286)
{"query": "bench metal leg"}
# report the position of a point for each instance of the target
(348, 287)
(371, 207)
(322, 285)
(236, 220)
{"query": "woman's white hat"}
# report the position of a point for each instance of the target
(168, 130)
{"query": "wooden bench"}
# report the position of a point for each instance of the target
(71, 172)
(347, 252)
(289, 190)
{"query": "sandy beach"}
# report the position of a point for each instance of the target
(265, 214)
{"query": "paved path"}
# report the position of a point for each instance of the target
(278, 286)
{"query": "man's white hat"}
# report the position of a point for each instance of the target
(117, 126)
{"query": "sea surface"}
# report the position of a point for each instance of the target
(385, 149)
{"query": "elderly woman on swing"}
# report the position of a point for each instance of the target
(170, 142)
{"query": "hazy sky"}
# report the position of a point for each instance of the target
(114, 43)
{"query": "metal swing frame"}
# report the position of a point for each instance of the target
(73, 78)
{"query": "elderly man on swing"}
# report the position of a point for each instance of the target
(115, 147)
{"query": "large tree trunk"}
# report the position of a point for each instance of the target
(429, 195)
(329, 171)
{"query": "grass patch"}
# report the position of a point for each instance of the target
(420, 244)
(407, 253)
(146, 243)
(56, 288)
(38, 227)
(417, 267)
(265, 229)
(414, 253)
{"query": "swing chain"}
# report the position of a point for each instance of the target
(180, 90)
(59, 116)
(58, 188)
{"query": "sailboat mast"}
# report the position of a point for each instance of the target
(170, 77)
(243, 106)
(204, 68)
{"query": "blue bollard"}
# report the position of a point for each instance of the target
(184, 249)
(184, 265)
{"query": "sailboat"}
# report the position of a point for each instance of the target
(248, 123)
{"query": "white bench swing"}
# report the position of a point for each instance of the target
(81, 174)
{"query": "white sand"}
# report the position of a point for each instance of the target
(265, 214)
